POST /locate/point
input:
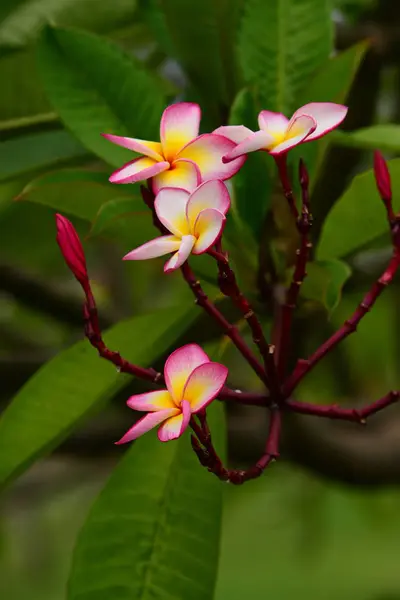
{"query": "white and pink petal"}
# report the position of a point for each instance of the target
(260, 140)
(151, 149)
(179, 365)
(235, 133)
(179, 125)
(173, 427)
(146, 423)
(207, 229)
(327, 116)
(298, 131)
(138, 169)
(204, 385)
(181, 255)
(272, 122)
(151, 401)
(170, 206)
(207, 151)
(158, 247)
(210, 194)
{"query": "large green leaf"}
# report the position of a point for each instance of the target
(97, 88)
(34, 152)
(358, 217)
(252, 185)
(201, 35)
(21, 20)
(75, 383)
(76, 192)
(382, 137)
(281, 43)
(154, 530)
(324, 282)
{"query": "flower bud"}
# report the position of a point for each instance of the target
(382, 177)
(71, 248)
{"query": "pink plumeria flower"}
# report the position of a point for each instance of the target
(182, 159)
(195, 221)
(278, 134)
(192, 380)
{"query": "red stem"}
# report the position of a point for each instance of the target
(281, 163)
(229, 287)
(350, 326)
(230, 330)
(345, 414)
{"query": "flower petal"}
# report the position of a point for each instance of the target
(179, 365)
(138, 170)
(210, 194)
(183, 174)
(175, 426)
(207, 229)
(235, 133)
(327, 115)
(179, 125)
(158, 247)
(151, 149)
(146, 423)
(204, 384)
(181, 255)
(272, 122)
(207, 151)
(299, 130)
(260, 140)
(151, 401)
(170, 206)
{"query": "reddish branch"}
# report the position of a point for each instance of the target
(304, 221)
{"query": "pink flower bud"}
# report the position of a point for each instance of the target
(71, 248)
(382, 177)
(303, 174)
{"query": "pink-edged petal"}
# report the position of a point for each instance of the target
(327, 115)
(181, 255)
(138, 169)
(207, 229)
(158, 247)
(204, 384)
(175, 426)
(180, 364)
(146, 423)
(207, 151)
(170, 206)
(183, 174)
(299, 130)
(210, 194)
(235, 133)
(179, 125)
(272, 122)
(260, 140)
(151, 401)
(151, 149)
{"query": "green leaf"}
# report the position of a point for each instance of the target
(331, 83)
(358, 217)
(324, 282)
(201, 36)
(41, 151)
(382, 137)
(252, 184)
(154, 530)
(76, 192)
(97, 88)
(280, 44)
(74, 384)
(120, 218)
(155, 17)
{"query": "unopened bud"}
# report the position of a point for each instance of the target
(303, 174)
(382, 178)
(71, 248)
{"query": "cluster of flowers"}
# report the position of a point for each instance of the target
(186, 172)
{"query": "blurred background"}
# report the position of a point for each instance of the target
(323, 522)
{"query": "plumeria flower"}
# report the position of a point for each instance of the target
(192, 381)
(278, 134)
(195, 221)
(182, 159)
